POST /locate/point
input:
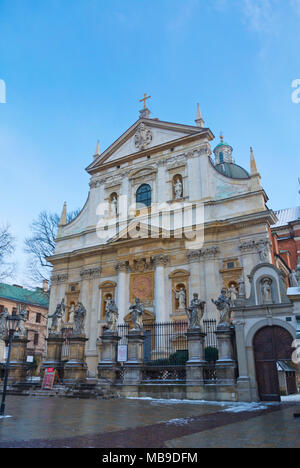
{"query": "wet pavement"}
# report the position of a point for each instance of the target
(123, 423)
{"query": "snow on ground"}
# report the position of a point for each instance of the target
(246, 407)
(291, 398)
(231, 407)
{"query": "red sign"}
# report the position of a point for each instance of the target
(49, 379)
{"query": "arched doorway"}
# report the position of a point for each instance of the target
(270, 344)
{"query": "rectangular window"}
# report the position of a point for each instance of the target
(38, 318)
(1, 308)
(15, 311)
(36, 339)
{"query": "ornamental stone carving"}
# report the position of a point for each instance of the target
(193, 256)
(122, 266)
(263, 248)
(89, 273)
(141, 265)
(143, 137)
(247, 246)
(160, 260)
(210, 252)
(59, 278)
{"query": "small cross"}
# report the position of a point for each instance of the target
(145, 99)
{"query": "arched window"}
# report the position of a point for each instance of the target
(143, 195)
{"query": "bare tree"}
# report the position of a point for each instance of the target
(7, 247)
(41, 244)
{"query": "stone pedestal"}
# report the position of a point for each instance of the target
(226, 366)
(108, 353)
(134, 364)
(18, 364)
(196, 363)
(75, 369)
(53, 359)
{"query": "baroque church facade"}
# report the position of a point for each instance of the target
(166, 216)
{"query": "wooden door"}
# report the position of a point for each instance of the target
(271, 344)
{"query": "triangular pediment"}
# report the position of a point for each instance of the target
(144, 135)
(138, 229)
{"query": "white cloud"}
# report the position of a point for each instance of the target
(295, 4)
(260, 14)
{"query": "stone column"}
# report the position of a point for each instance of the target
(161, 311)
(243, 382)
(108, 352)
(196, 363)
(122, 290)
(212, 277)
(134, 364)
(75, 369)
(225, 366)
(18, 364)
(53, 358)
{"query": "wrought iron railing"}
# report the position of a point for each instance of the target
(166, 343)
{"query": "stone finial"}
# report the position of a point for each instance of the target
(199, 119)
(253, 166)
(63, 218)
(98, 150)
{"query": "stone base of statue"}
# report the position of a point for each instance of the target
(53, 357)
(196, 363)
(108, 354)
(135, 360)
(18, 364)
(75, 369)
(226, 366)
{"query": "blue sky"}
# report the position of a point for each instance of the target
(76, 69)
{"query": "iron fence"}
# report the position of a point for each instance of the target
(166, 344)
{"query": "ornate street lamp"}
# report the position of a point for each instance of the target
(12, 324)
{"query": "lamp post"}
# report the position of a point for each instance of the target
(12, 322)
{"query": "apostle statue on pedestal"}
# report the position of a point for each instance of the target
(112, 315)
(223, 305)
(136, 314)
(195, 312)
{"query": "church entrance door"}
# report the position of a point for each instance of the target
(271, 344)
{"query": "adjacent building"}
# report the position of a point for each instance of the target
(37, 303)
(286, 239)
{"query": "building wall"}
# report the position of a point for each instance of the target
(31, 326)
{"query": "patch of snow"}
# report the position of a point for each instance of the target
(291, 398)
(5, 417)
(179, 421)
(239, 408)
(176, 401)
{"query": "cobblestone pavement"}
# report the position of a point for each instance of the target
(54, 422)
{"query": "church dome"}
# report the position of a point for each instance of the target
(232, 170)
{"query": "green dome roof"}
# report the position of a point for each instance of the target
(232, 170)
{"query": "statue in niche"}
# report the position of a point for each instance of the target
(71, 314)
(136, 314)
(3, 330)
(178, 189)
(266, 291)
(223, 305)
(112, 315)
(195, 312)
(23, 317)
(114, 205)
(242, 289)
(58, 318)
(181, 297)
(233, 293)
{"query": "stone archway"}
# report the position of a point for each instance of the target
(270, 345)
